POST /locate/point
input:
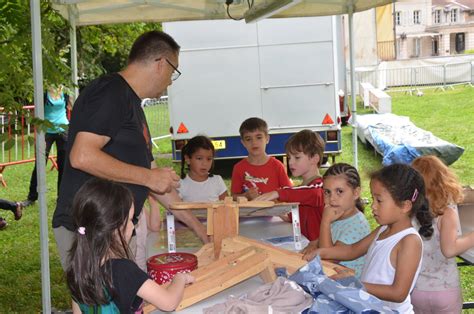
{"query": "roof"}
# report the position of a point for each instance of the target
(465, 4)
(91, 12)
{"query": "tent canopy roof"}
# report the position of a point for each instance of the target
(92, 12)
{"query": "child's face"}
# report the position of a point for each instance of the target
(384, 208)
(255, 142)
(129, 225)
(301, 165)
(339, 194)
(200, 163)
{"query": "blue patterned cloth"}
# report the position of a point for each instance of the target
(343, 296)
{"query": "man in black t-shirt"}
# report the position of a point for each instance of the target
(109, 136)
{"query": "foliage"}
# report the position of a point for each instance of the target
(101, 49)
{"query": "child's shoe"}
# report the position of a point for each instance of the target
(19, 211)
(3, 223)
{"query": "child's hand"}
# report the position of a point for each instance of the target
(285, 217)
(270, 196)
(310, 251)
(187, 278)
(252, 193)
(331, 214)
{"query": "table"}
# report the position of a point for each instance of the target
(252, 227)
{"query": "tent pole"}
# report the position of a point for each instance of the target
(40, 152)
(353, 93)
(73, 39)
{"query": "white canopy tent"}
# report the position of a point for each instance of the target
(93, 12)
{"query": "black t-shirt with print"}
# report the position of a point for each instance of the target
(107, 106)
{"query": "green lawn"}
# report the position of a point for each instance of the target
(446, 114)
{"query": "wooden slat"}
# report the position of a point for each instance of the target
(232, 275)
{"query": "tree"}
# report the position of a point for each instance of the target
(101, 49)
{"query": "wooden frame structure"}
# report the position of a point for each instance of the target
(230, 258)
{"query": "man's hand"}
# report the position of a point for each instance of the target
(163, 180)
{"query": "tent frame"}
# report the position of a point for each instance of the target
(346, 6)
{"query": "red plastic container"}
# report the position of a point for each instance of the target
(163, 267)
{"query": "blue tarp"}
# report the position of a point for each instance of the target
(344, 296)
(398, 140)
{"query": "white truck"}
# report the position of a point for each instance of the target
(286, 71)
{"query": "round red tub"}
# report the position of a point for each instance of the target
(163, 267)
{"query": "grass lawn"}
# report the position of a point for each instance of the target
(446, 114)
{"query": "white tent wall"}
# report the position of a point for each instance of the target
(365, 38)
(92, 12)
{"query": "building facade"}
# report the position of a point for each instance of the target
(426, 28)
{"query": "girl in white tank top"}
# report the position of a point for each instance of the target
(394, 250)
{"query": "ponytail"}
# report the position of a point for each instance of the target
(405, 183)
(425, 219)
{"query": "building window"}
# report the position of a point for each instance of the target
(398, 18)
(454, 15)
(417, 17)
(437, 16)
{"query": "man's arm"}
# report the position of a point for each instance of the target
(185, 216)
(87, 155)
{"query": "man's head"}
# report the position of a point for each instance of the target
(254, 136)
(153, 45)
(155, 56)
(307, 142)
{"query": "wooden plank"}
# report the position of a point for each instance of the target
(233, 274)
(210, 223)
(230, 259)
(279, 257)
(225, 224)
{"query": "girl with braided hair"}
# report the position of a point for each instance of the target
(343, 220)
(393, 250)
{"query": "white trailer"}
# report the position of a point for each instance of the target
(286, 71)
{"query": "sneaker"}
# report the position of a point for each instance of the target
(19, 210)
(3, 223)
(26, 203)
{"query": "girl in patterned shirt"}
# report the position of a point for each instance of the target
(343, 219)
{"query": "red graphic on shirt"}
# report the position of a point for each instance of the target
(146, 135)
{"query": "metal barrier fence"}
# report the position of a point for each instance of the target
(157, 115)
(16, 145)
(411, 79)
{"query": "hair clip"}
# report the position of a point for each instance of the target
(81, 230)
(415, 195)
